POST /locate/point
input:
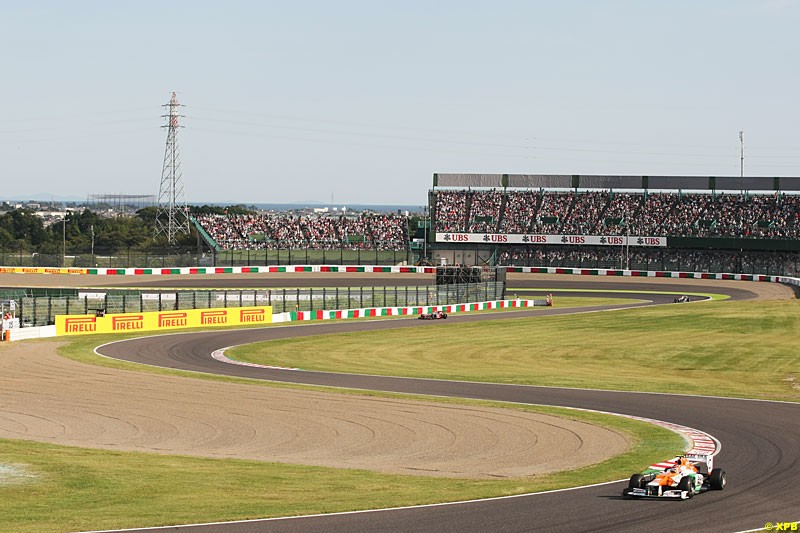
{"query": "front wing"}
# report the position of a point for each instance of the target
(670, 494)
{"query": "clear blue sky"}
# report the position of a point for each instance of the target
(362, 101)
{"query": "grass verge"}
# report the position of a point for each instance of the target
(731, 348)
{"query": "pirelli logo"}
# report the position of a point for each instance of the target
(162, 320)
(80, 325)
(252, 316)
(173, 320)
(127, 323)
(213, 317)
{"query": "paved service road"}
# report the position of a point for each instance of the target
(759, 444)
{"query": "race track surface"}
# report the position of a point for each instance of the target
(759, 441)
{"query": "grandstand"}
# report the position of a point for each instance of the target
(711, 223)
(749, 225)
(367, 231)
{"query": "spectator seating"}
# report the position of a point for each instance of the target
(770, 216)
(273, 231)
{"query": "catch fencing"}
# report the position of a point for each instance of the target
(41, 310)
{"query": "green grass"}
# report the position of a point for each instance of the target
(726, 348)
(79, 489)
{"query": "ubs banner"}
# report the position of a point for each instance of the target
(162, 320)
(592, 240)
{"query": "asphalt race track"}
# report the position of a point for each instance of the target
(760, 441)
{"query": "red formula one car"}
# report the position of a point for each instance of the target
(436, 315)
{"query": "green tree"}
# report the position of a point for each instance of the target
(25, 225)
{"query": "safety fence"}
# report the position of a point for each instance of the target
(130, 258)
(649, 274)
(141, 271)
(42, 310)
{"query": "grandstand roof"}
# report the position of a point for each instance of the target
(565, 181)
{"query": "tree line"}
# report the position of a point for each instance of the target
(83, 231)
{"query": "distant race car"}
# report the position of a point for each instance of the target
(432, 316)
(689, 475)
(681, 299)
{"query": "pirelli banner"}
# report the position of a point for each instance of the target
(586, 240)
(162, 320)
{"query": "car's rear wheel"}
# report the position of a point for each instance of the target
(717, 479)
(687, 483)
(636, 482)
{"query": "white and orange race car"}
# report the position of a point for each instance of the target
(686, 476)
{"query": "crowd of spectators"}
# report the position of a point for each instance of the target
(519, 212)
(274, 231)
(742, 215)
(484, 209)
(748, 262)
(450, 211)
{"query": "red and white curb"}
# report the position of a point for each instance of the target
(701, 443)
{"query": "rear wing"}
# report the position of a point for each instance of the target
(701, 460)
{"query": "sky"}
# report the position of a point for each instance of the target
(360, 102)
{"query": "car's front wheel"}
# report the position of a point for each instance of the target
(717, 479)
(636, 482)
(687, 483)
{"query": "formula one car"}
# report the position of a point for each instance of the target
(681, 299)
(688, 475)
(432, 316)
